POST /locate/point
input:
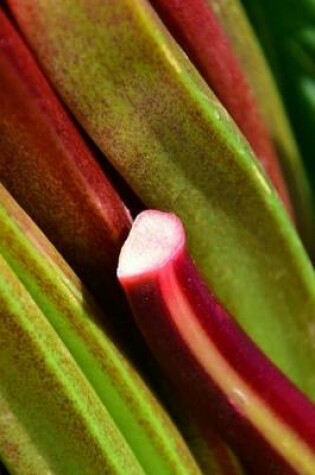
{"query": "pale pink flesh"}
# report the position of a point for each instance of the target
(221, 374)
(155, 237)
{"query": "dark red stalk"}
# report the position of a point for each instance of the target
(50, 170)
(196, 29)
(225, 379)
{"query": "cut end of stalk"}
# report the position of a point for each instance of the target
(155, 238)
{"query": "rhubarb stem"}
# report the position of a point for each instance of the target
(224, 377)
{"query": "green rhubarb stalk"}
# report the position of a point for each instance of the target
(59, 294)
(51, 419)
(197, 30)
(237, 26)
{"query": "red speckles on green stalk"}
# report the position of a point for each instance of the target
(59, 294)
(195, 27)
(65, 428)
(143, 103)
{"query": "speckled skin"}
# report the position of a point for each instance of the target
(140, 418)
(196, 28)
(146, 107)
(51, 419)
(226, 381)
(233, 18)
(52, 173)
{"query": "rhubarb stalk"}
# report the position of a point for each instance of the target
(223, 376)
(144, 105)
(197, 30)
(50, 170)
(232, 17)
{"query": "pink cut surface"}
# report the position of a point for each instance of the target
(155, 239)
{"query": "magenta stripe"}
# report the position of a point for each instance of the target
(208, 403)
(244, 356)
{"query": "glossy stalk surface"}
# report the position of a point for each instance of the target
(232, 16)
(221, 373)
(196, 28)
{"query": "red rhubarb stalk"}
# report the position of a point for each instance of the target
(196, 28)
(52, 173)
(225, 379)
